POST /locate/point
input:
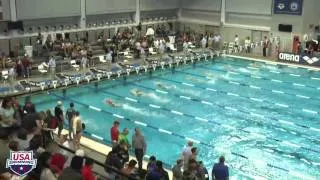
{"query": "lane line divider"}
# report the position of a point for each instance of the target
(131, 99)
(95, 108)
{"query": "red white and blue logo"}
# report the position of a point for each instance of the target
(21, 162)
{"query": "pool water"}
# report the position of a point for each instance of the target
(264, 118)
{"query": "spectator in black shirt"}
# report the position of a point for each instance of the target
(69, 114)
(59, 115)
(28, 107)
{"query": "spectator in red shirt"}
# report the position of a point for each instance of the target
(26, 66)
(86, 171)
(115, 132)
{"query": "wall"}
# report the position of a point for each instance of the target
(37, 9)
(209, 5)
(148, 5)
(6, 9)
(249, 6)
(109, 6)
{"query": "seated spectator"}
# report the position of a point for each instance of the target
(186, 154)
(177, 170)
(151, 164)
(220, 171)
(13, 145)
(158, 174)
(35, 145)
(22, 139)
(86, 171)
(74, 171)
(42, 171)
(28, 107)
(191, 171)
(113, 160)
(122, 151)
(57, 163)
(32, 122)
(130, 170)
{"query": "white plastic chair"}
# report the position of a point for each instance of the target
(74, 65)
(127, 55)
(5, 74)
(151, 51)
(41, 69)
(102, 59)
(172, 48)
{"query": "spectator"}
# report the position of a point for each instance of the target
(77, 129)
(22, 139)
(52, 66)
(158, 174)
(191, 171)
(151, 164)
(19, 68)
(216, 41)
(28, 107)
(247, 44)
(32, 122)
(194, 153)
(13, 146)
(7, 120)
(26, 66)
(265, 46)
(139, 145)
(130, 170)
(43, 171)
(204, 42)
(177, 170)
(220, 171)
(113, 160)
(236, 42)
(114, 131)
(35, 145)
(124, 136)
(86, 171)
(122, 151)
(4, 154)
(57, 163)
(186, 153)
(202, 172)
(69, 114)
(74, 171)
(84, 62)
(59, 115)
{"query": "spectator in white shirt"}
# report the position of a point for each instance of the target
(247, 44)
(204, 42)
(84, 62)
(52, 65)
(216, 41)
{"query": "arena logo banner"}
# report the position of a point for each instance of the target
(21, 162)
(293, 7)
(299, 59)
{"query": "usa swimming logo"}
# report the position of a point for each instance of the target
(21, 162)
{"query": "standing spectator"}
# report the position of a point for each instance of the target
(7, 120)
(204, 42)
(52, 66)
(194, 153)
(159, 173)
(216, 41)
(186, 154)
(19, 68)
(43, 171)
(151, 164)
(84, 62)
(236, 42)
(124, 136)
(77, 129)
(69, 114)
(114, 131)
(58, 113)
(86, 171)
(74, 171)
(139, 145)
(265, 46)
(177, 170)
(202, 172)
(247, 44)
(26, 66)
(220, 171)
(210, 41)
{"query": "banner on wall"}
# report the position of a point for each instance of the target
(291, 7)
(299, 59)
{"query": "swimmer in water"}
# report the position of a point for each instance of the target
(136, 92)
(164, 87)
(210, 75)
(194, 79)
(111, 103)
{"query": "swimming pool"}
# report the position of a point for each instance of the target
(264, 118)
